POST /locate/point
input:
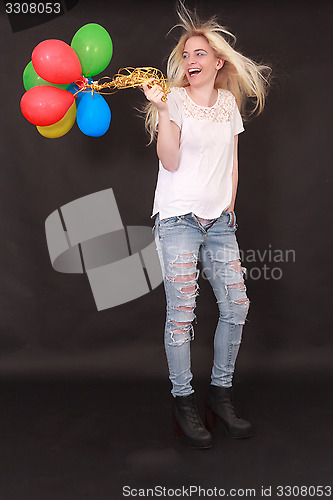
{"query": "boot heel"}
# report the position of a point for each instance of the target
(176, 428)
(211, 419)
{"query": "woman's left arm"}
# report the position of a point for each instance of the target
(234, 176)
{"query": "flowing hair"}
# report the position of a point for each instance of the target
(247, 80)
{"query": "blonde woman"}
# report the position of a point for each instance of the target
(197, 138)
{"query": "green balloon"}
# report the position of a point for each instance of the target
(93, 45)
(32, 79)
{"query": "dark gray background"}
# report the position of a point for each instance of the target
(49, 322)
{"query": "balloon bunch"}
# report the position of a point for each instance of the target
(53, 80)
(59, 87)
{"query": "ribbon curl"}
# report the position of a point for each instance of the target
(133, 77)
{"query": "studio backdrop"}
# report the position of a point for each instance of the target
(81, 287)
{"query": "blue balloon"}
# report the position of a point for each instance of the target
(93, 114)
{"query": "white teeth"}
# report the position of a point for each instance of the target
(194, 70)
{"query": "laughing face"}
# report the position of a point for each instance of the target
(200, 62)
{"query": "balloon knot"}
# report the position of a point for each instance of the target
(82, 82)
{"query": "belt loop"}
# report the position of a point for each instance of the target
(232, 219)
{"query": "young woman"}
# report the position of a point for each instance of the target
(197, 136)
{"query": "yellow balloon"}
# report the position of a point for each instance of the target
(61, 127)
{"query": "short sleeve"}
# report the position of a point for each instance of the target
(236, 121)
(175, 108)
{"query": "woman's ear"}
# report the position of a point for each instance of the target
(219, 63)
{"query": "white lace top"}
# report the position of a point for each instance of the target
(202, 184)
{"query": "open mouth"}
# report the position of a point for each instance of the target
(194, 71)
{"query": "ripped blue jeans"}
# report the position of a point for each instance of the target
(181, 242)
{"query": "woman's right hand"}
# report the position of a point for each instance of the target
(155, 95)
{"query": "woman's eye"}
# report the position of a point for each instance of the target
(198, 54)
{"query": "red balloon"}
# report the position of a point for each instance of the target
(56, 62)
(44, 105)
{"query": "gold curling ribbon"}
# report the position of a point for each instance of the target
(127, 78)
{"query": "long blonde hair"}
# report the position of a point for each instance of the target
(246, 79)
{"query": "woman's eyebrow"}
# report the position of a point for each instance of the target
(195, 50)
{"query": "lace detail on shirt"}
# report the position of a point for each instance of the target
(222, 110)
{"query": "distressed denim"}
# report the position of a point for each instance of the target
(182, 243)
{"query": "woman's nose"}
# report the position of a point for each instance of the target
(192, 59)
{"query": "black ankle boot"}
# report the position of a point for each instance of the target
(187, 421)
(219, 404)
